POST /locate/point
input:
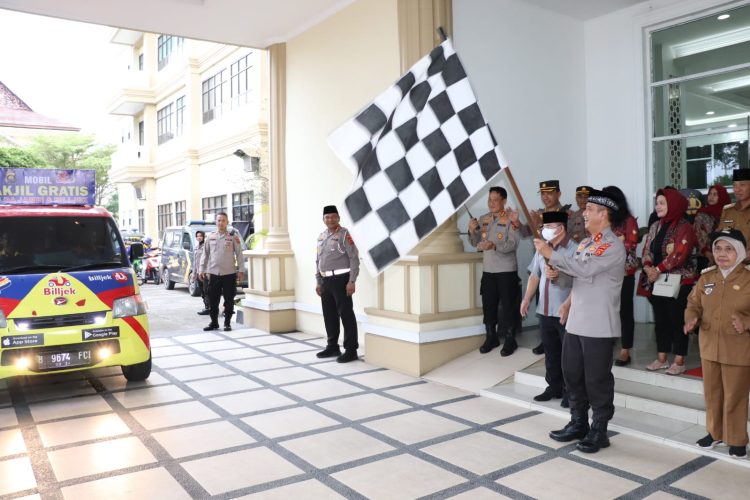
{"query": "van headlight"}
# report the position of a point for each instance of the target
(128, 306)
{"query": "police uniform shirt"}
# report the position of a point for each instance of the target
(735, 217)
(222, 253)
(552, 293)
(198, 257)
(505, 237)
(336, 250)
(597, 268)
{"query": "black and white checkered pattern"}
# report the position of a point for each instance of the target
(418, 152)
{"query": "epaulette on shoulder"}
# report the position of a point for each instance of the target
(729, 205)
(711, 268)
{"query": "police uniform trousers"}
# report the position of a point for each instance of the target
(627, 319)
(500, 289)
(338, 308)
(552, 333)
(669, 319)
(725, 389)
(222, 286)
(587, 370)
(203, 291)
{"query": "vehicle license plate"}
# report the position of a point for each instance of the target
(49, 361)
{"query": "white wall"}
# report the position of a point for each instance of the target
(333, 70)
(526, 66)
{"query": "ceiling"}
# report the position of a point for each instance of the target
(583, 9)
(252, 23)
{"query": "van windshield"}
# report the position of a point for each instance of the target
(59, 243)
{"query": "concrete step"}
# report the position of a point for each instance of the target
(653, 393)
(675, 432)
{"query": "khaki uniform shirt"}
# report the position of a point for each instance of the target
(222, 253)
(735, 217)
(197, 257)
(713, 301)
(596, 268)
(576, 226)
(505, 237)
(337, 251)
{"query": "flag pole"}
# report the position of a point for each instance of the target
(517, 193)
(441, 34)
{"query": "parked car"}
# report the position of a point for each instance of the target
(177, 246)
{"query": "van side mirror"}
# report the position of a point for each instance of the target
(136, 250)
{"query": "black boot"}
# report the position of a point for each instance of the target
(510, 345)
(491, 341)
(577, 428)
(538, 349)
(595, 440)
(329, 352)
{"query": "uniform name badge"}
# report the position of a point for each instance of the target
(708, 288)
(499, 236)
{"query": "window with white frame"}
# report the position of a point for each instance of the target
(700, 100)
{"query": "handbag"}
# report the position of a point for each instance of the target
(668, 285)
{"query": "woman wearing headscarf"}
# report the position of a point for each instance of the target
(720, 305)
(707, 220)
(627, 232)
(669, 248)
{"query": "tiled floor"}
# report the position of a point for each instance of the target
(250, 415)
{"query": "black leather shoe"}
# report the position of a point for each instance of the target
(204, 312)
(577, 428)
(548, 394)
(491, 341)
(538, 349)
(329, 352)
(594, 441)
(738, 451)
(211, 326)
(509, 347)
(227, 328)
(623, 362)
(349, 355)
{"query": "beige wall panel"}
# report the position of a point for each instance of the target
(289, 273)
(393, 296)
(421, 290)
(453, 287)
(333, 70)
(273, 275)
(257, 275)
(171, 188)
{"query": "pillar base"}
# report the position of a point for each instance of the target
(269, 299)
(416, 359)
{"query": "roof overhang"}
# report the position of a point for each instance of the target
(251, 23)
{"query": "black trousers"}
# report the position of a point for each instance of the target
(552, 338)
(669, 320)
(504, 289)
(626, 312)
(337, 309)
(587, 369)
(218, 287)
(203, 289)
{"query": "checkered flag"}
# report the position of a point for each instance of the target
(417, 153)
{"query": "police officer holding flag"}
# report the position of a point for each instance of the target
(593, 322)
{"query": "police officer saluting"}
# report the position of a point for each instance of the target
(220, 265)
(593, 322)
(337, 267)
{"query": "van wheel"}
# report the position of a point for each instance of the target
(193, 287)
(137, 372)
(168, 284)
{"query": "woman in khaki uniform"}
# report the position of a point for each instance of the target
(720, 303)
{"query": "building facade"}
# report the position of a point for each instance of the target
(19, 124)
(193, 132)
